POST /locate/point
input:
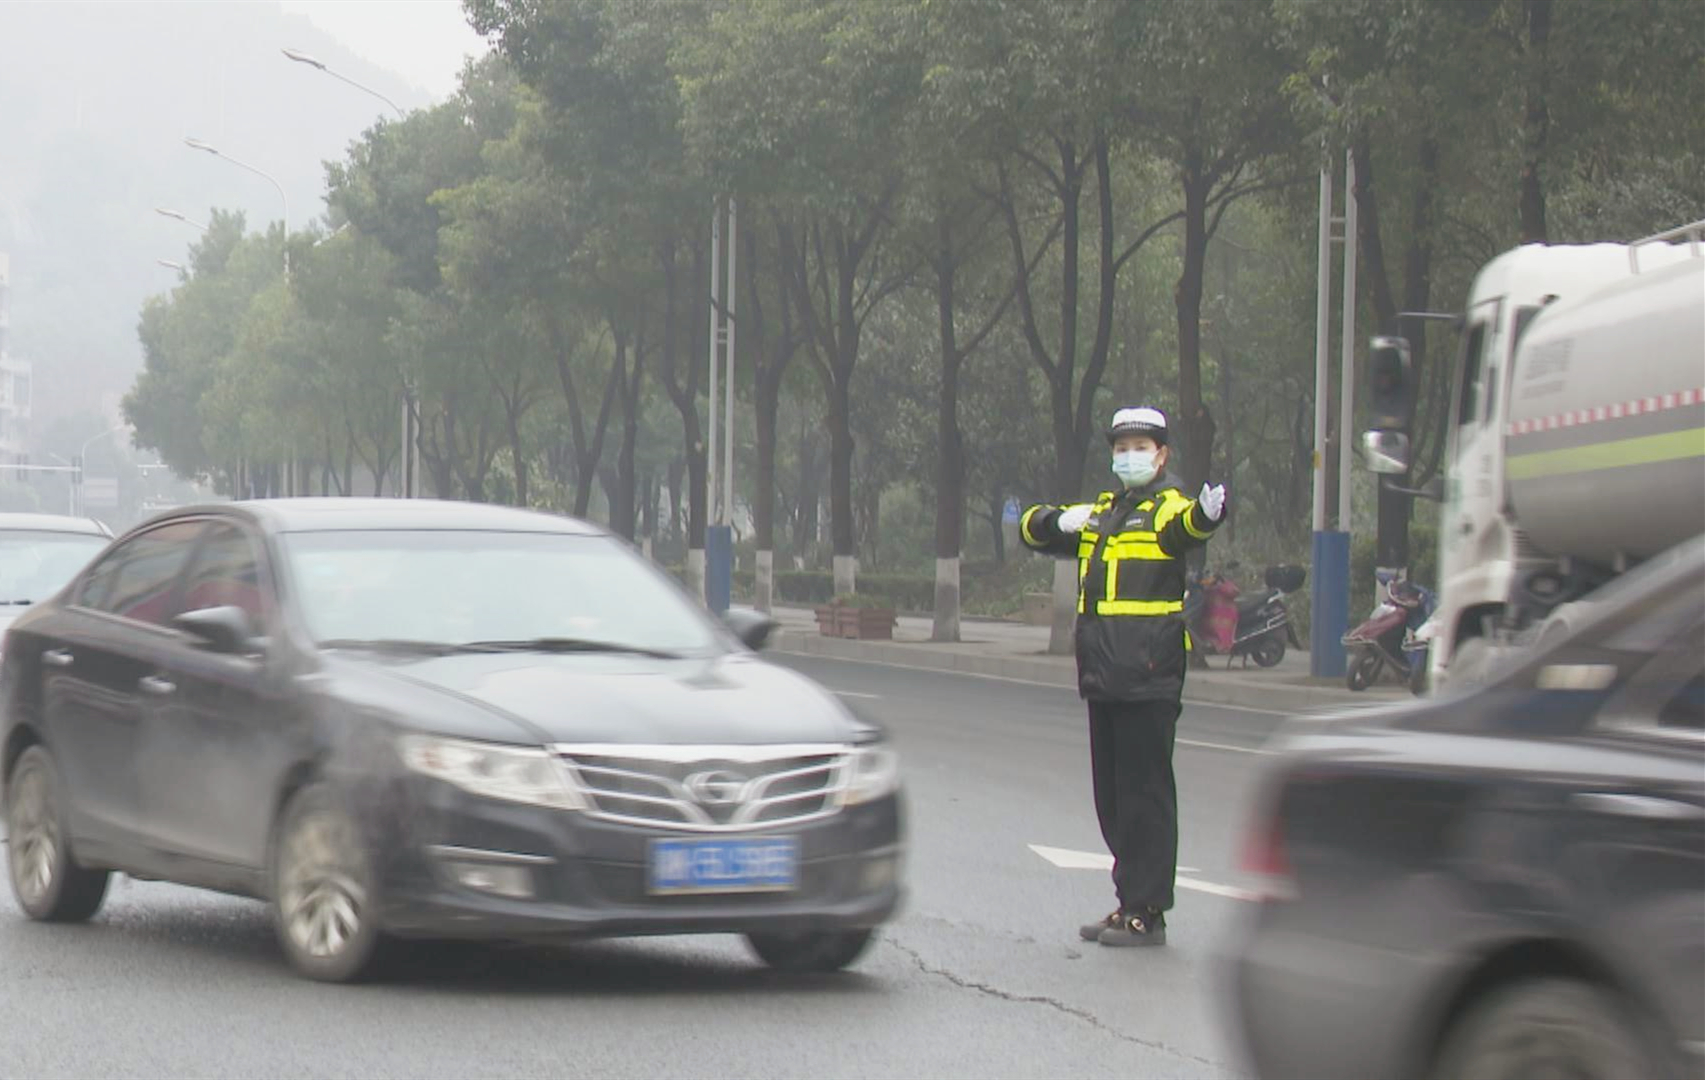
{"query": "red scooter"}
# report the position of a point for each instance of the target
(1382, 640)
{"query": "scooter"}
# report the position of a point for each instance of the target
(1263, 622)
(1417, 649)
(1386, 637)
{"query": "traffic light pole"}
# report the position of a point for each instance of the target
(1330, 591)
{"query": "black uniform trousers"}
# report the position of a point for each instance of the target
(1136, 798)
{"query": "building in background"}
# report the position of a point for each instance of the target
(15, 391)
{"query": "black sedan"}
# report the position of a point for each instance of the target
(1505, 882)
(397, 719)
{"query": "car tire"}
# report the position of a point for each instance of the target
(1363, 670)
(1269, 651)
(48, 883)
(1544, 1026)
(325, 896)
(812, 951)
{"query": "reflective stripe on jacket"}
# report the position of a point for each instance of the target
(1131, 641)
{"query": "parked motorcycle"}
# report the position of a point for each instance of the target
(1387, 637)
(1263, 625)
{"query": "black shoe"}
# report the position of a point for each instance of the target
(1092, 931)
(1135, 931)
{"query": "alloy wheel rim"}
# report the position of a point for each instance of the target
(322, 902)
(34, 837)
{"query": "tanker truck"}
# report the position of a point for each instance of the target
(1576, 436)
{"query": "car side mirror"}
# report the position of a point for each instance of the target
(753, 628)
(1386, 451)
(223, 629)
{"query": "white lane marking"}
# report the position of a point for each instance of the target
(1231, 892)
(1067, 859)
(854, 693)
(1001, 678)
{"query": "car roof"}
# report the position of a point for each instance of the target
(59, 523)
(316, 514)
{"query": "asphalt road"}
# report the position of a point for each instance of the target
(982, 976)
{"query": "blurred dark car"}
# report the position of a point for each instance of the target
(402, 719)
(39, 553)
(1503, 882)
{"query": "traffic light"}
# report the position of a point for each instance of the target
(1391, 397)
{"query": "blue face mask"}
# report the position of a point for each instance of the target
(1135, 467)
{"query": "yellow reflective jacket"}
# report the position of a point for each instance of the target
(1131, 641)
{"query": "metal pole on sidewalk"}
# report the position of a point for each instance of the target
(1329, 595)
(1347, 343)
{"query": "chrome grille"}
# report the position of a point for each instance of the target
(709, 788)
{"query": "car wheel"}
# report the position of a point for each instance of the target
(1269, 650)
(812, 951)
(1363, 670)
(47, 881)
(324, 898)
(1544, 1027)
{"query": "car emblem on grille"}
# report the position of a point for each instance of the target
(717, 788)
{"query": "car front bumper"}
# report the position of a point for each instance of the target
(452, 865)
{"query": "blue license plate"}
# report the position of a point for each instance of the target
(732, 866)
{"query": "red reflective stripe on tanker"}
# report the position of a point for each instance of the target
(1619, 410)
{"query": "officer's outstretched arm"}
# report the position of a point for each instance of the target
(1039, 528)
(1181, 524)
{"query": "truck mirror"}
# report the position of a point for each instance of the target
(1391, 397)
(1386, 451)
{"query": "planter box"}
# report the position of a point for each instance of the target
(868, 624)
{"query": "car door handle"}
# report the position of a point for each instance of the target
(153, 684)
(58, 658)
(1648, 807)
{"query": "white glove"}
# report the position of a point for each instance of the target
(1212, 500)
(1073, 518)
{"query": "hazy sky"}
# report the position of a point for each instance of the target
(424, 41)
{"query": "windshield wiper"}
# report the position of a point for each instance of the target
(16, 603)
(402, 645)
(570, 645)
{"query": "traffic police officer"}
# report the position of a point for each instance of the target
(1132, 650)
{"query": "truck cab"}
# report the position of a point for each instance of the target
(1489, 555)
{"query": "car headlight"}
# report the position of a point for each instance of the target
(874, 773)
(511, 773)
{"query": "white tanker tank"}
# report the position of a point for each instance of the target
(1605, 437)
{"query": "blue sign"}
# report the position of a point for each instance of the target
(1009, 515)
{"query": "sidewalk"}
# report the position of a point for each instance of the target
(1020, 651)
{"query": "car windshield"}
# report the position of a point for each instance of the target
(558, 592)
(35, 564)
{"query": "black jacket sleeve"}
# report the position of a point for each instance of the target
(1039, 528)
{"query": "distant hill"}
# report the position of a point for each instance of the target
(95, 100)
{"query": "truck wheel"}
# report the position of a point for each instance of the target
(819, 951)
(1269, 650)
(1363, 670)
(46, 879)
(1471, 662)
(1544, 1027)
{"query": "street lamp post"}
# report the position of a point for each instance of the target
(411, 424)
(197, 144)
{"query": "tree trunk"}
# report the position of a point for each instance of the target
(622, 509)
(950, 458)
(1196, 423)
(1536, 121)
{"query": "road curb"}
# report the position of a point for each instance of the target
(1207, 688)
